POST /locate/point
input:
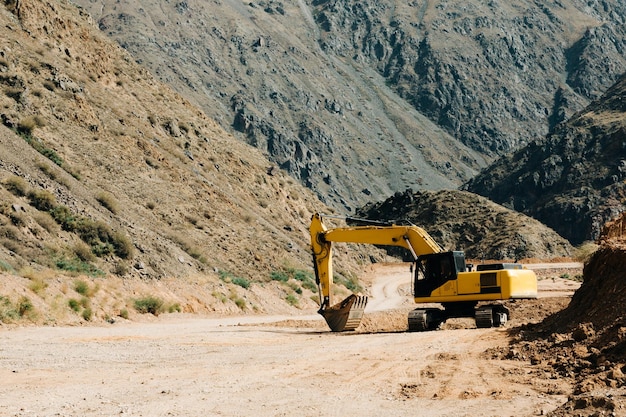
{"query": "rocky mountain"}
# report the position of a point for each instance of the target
(460, 220)
(573, 180)
(360, 99)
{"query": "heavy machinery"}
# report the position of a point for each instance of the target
(441, 277)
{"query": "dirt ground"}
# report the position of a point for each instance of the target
(190, 365)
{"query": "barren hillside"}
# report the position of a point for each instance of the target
(106, 170)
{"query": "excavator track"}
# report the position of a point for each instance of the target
(421, 320)
(491, 316)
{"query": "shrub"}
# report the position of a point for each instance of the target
(7, 310)
(37, 285)
(152, 305)
(81, 287)
(17, 186)
(28, 124)
(6, 267)
(123, 246)
(292, 300)
(242, 282)
(25, 307)
(306, 278)
(124, 313)
(174, 308)
(279, 276)
(83, 252)
(87, 314)
(77, 266)
(74, 304)
(46, 221)
(42, 200)
(108, 202)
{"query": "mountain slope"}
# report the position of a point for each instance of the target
(257, 68)
(358, 99)
(574, 179)
(103, 165)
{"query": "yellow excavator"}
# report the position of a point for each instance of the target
(441, 277)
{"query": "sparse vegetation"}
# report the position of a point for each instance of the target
(230, 278)
(280, 276)
(25, 308)
(108, 201)
(302, 279)
(45, 220)
(28, 124)
(242, 282)
(6, 267)
(42, 200)
(16, 185)
(74, 304)
(8, 312)
(292, 300)
(186, 245)
(82, 287)
(124, 314)
(37, 285)
(351, 283)
(77, 266)
(149, 304)
(87, 314)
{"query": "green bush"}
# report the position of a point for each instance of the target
(77, 266)
(152, 305)
(279, 276)
(292, 300)
(25, 307)
(81, 287)
(74, 304)
(242, 282)
(6, 267)
(8, 312)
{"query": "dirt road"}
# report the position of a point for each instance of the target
(266, 366)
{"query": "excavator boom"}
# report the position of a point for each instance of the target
(347, 314)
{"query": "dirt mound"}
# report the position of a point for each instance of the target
(587, 340)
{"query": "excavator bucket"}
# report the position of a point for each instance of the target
(345, 315)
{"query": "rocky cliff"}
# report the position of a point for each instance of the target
(573, 180)
(358, 100)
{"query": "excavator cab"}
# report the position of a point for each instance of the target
(435, 269)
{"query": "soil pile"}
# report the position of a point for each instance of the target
(587, 340)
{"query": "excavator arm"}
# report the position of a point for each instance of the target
(347, 314)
